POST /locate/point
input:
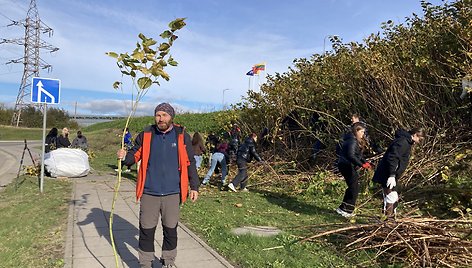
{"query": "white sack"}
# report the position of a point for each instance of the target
(65, 162)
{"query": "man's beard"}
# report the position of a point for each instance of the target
(163, 126)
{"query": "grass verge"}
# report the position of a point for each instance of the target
(14, 133)
(33, 224)
(216, 213)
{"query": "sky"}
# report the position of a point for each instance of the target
(223, 39)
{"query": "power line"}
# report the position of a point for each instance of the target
(10, 73)
(3, 15)
(18, 5)
(31, 59)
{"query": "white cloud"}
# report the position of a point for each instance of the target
(208, 64)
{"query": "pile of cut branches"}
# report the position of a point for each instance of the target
(417, 242)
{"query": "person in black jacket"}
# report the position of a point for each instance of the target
(245, 154)
(51, 140)
(393, 164)
(63, 139)
(351, 157)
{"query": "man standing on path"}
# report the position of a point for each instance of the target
(393, 164)
(167, 167)
(245, 154)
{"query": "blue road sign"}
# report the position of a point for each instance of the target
(45, 90)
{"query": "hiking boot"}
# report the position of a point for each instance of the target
(231, 187)
(344, 213)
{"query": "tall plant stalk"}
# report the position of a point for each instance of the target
(145, 66)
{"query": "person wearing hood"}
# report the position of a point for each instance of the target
(350, 159)
(393, 164)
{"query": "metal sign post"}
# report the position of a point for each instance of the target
(41, 182)
(44, 90)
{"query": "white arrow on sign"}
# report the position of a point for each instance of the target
(41, 91)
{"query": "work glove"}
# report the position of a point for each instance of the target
(391, 182)
(367, 165)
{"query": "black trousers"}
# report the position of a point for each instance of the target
(352, 180)
(242, 176)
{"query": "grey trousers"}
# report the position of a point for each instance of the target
(153, 207)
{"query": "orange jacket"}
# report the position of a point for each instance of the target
(187, 169)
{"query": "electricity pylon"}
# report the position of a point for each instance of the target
(31, 60)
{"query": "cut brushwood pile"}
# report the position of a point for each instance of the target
(417, 242)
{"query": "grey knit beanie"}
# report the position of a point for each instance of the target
(165, 107)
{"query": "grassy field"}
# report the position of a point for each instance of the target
(192, 122)
(32, 224)
(293, 210)
(216, 212)
(14, 133)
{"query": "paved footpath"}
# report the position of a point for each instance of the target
(88, 241)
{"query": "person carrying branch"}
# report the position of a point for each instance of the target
(393, 164)
(167, 168)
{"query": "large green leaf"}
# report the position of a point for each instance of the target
(156, 69)
(138, 55)
(166, 34)
(116, 85)
(142, 36)
(144, 82)
(164, 46)
(177, 24)
(149, 42)
(165, 75)
(112, 54)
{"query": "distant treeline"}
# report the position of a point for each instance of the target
(32, 117)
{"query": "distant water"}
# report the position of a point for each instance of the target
(88, 122)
